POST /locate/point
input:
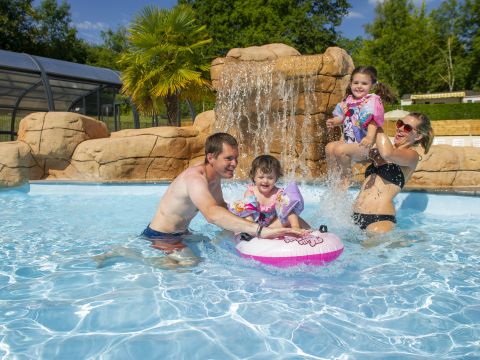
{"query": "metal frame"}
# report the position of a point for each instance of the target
(42, 71)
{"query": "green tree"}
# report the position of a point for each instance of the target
(56, 37)
(450, 68)
(400, 46)
(17, 28)
(164, 60)
(45, 30)
(307, 25)
(470, 25)
(108, 53)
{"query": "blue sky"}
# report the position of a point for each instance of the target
(90, 17)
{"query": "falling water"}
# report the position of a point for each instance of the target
(259, 105)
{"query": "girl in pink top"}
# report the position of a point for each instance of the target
(360, 113)
(267, 204)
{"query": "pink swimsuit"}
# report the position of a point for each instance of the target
(286, 200)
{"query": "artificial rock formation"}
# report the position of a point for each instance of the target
(446, 166)
(151, 154)
(70, 146)
(274, 100)
(54, 136)
(17, 164)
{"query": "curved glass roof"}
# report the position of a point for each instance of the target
(33, 83)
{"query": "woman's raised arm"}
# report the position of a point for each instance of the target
(403, 156)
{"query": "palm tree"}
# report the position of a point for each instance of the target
(164, 60)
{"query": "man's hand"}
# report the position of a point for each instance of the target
(272, 233)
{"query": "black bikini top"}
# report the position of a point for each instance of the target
(390, 172)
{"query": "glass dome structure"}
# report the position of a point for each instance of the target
(35, 84)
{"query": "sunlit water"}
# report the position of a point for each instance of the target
(414, 294)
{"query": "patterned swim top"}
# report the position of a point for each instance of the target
(285, 201)
(356, 114)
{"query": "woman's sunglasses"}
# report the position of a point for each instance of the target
(406, 127)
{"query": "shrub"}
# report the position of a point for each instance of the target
(443, 111)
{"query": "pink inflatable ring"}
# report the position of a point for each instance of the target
(315, 248)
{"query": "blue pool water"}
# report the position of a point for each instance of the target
(413, 294)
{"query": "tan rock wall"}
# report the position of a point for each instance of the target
(54, 136)
(279, 104)
(151, 154)
(68, 146)
(16, 164)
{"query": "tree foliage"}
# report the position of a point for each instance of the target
(45, 30)
(164, 60)
(399, 46)
(450, 67)
(470, 35)
(56, 37)
(108, 53)
(17, 25)
(307, 25)
(419, 52)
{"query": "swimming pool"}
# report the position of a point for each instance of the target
(414, 294)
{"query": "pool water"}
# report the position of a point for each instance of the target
(412, 294)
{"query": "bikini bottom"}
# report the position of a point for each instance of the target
(363, 220)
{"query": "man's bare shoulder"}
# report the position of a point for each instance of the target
(193, 172)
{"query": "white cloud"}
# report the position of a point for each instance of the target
(354, 14)
(87, 25)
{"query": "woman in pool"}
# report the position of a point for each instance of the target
(391, 167)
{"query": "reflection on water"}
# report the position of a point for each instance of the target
(414, 295)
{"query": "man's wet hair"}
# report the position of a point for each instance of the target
(214, 144)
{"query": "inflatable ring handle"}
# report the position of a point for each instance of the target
(323, 228)
(245, 237)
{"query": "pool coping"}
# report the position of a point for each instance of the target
(464, 190)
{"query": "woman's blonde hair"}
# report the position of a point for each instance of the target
(425, 129)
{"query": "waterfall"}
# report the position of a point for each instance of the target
(269, 107)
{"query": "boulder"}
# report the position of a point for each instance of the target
(54, 136)
(17, 164)
(159, 153)
(262, 53)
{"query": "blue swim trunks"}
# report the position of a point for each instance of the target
(171, 242)
(170, 238)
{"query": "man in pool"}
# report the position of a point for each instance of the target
(198, 188)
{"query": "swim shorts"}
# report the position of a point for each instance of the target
(170, 238)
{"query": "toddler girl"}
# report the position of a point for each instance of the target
(267, 204)
(360, 113)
